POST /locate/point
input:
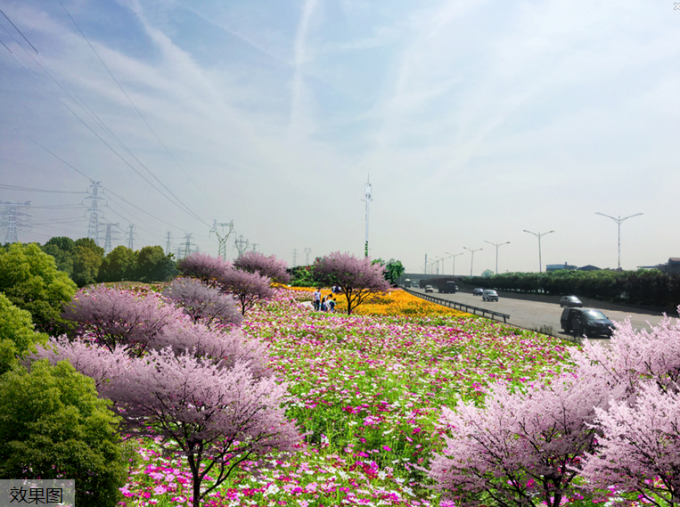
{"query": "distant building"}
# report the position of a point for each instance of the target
(673, 265)
(589, 267)
(557, 267)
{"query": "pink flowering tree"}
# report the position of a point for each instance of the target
(640, 447)
(247, 288)
(217, 418)
(202, 302)
(524, 448)
(204, 267)
(357, 278)
(255, 262)
(117, 318)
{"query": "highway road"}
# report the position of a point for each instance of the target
(529, 314)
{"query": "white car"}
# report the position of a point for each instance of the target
(489, 295)
(428, 288)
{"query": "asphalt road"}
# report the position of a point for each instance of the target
(534, 314)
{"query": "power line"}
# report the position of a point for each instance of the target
(181, 205)
(27, 189)
(133, 104)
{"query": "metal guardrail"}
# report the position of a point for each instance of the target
(460, 306)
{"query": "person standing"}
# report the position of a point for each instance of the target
(316, 298)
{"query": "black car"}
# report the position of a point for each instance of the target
(449, 288)
(477, 292)
(586, 321)
(570, 301)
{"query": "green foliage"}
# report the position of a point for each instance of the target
(53, 425)
(487, 273)
(119, 264)
(62, 243)
(30, 280)
(62, 258)
(17, 336)
(154, 265)
(643, 287)
(393, 270)
(86, 263)
(89, 244)
(303, 276)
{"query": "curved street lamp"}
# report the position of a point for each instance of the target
(497, 245)
(538, 235)
(453, 256)
(618, 222)
(472, 257)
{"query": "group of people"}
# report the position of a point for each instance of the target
(323, 303)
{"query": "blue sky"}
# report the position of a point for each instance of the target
(475, 120)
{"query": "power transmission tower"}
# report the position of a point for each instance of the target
(255, 247)
(93, 210)
(307, 252)
(368, 197)
(295, 257)
(180, 253)
(222, 238)
(187, 245)
(168, 239)
(11, 219)
(241, 245)
(108, 237)
(131, 236)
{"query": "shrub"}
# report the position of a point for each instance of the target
(17, 336)
(204, 267)
(201, 302)
(53, 425)
(247, 288)
(255, 262)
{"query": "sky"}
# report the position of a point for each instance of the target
(474, 120)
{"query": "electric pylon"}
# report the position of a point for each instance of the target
(108, 237)
(93, 211)
(307, 252)
(168, 238)
(180, 253)
(295, 257)
(187, 245)
(241, 245)
(131, 236)
(368, 197)
(255, 247)
(11, 219)
(222, 238)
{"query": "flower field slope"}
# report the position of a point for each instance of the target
(369, 391)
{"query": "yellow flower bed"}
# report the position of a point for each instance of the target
(398, 303)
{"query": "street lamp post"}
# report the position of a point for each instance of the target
(618, 222)
(453, 272)
(497, 245)
(472, 257)
(538, 235)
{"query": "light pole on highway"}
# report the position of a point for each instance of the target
(618, 222)
(472, 256)
(538, 235)
(497, 245)
(453, 256)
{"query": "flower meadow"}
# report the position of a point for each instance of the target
(368, 390)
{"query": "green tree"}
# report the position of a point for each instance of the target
(90, 244)
(17, 336)
(154, 265)
(62, 243)
(119, 264)
(52, 425)
(30, 280)
(393, 270)
(62, 258)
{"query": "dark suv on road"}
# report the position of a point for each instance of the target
(586, 321)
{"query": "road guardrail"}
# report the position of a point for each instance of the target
(461, 306)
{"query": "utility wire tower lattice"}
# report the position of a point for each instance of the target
(12, 219)
(187, 245)
(222, 238)
(130, 236)
(110, 235)
(255, 247)
(497, 245)
(93, 211)
(168, 243)
(618, 222)
(307, 252)
(539, 235)
(472, 256)
(241, 245)
(453, 256)
(368, 197)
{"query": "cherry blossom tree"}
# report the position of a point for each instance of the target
(203, 303)
(524, 447)
(204, 267)
(255, 262)
(247, 288)
(357, 278)
(217, 418)
(117, 318)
